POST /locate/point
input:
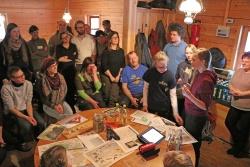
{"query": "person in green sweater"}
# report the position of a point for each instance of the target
(88, 86)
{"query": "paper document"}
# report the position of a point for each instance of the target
(142, 117)
(73, 120)
(51, 133)
(128, 138)
(106, 154)
(91, 141)
(186, 137)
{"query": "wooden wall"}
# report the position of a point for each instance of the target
(43, 13)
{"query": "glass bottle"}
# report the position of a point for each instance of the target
(123, 115)
(178, 139)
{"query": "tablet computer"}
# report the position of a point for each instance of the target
(151, 135)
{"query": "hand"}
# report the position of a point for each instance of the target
(134, 101)
(237, 92)
(178, 119)
(1, 140)
(185, 90)
(32, 120)
(95, 104)
(179, 81)
(59, 108)
(117, 78)
(94, 69)
(112, 79)
(6, 81)
(145, 108)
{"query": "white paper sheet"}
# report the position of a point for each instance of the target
(73, 120)
(91, 141)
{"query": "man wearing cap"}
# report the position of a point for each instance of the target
(38, 47)
(85, 44)
(55, 39)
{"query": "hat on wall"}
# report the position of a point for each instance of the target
(33, 28)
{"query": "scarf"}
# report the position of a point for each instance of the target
(54, 81)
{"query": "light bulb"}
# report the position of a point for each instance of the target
(188, 20)
(67, 17)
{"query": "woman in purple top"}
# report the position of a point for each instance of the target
(198, 97)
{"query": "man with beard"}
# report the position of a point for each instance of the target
(85, 44)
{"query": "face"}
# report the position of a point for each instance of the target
(102, 39)
(196, 62)
(62, 26)
(80, 28)
(133, 60)
(174, 36)
(115, 39)
(90, 68)
(87, 28)
(246, 64)
(189, 54)
(18, 77)
(65, 38)
(34, 34)
(52, 69)
(106, 27)
(161, 66)
(15, 33)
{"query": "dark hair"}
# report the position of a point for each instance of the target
(78, 22)
(33, 28)
(12, 70)
(54, 157)
(178, 28)
(99, 33)
(246, 55)
(111, 34)
(105, 22)
(219, 59)
(130, 53)
(86, 62)
(65, 32)
(10, 27)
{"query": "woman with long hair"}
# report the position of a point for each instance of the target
(113, 61)
(198, 97)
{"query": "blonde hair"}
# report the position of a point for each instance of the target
(161, 56)
(177, 159)
(192, 47)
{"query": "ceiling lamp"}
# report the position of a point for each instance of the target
(66, 16)
(190, 8)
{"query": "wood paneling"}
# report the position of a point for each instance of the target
(43, 13)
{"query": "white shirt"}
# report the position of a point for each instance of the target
(86, 47)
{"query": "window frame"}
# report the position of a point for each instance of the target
(94, 16)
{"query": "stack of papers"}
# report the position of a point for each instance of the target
(142, 117)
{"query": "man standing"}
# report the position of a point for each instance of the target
(38, 47)
(85, 44)
(175, 49)
(132, 82)
(107, 26)
(19, 116)
(55, 39)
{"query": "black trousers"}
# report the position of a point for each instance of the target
(238, 123)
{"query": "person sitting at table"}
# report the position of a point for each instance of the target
(159, 92)
(132, 82)
(18, 114)
(177, 159)
(53, 91)
(55, 156)
(88, 86)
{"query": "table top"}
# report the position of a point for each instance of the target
(134, 159)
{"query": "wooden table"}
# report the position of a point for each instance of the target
(134, 159)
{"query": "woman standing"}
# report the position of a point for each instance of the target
(88, 86)
(238, 117)
(113, 61)
(198, 97)
(54, 89)
(66, 53)
(159, 92)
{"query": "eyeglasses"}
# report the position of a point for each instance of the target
(18, 77)
(79, 27)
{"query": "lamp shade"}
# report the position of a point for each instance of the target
(67, 17)
(190, 6)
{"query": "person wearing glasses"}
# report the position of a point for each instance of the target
(159, 92)
(66, 54)
(18, 114)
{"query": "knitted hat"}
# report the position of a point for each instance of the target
(47, 62)
(33, 28)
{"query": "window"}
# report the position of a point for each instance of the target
(243, 45)
(3, 22)
(94, 24)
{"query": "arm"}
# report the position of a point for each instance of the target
(108, 73)
(127, 92)
(173, 99)
(236, 92)
(187, 93)
(145, 96)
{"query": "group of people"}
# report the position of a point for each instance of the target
(91, 72)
